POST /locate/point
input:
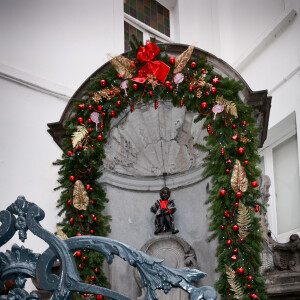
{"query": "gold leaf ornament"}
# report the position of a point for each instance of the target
(235, 286)
(60, 233)
(239, 181)
(123, 66)
(243, 220)
(80, 197)
(183, 58)
(79, 135)
(229, 105)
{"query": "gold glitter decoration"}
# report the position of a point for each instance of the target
(123, 66)
(183, 58)
(60, 233)
(80, 197)
(239, 181)
(235, 286)
(244, 139)
(229, 105)
(243, 220)
(105, 93)
(198, 84)
(96, 98)
(152, 80)
(79, 136)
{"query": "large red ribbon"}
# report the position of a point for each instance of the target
(157, 68)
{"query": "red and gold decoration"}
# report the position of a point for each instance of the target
(149, 74)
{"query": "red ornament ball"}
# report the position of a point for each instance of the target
(70, 153)
(222, 227)
(207, 93)
(93, 278)
(96, 270)
(249, 278)
(235, 227)
(235, 251)
(228, 243)
(90, 107)
(111, 93)
(193, 65)
(228, 161)
(90, 129)
(241, 150)
(167, 84)
(204, 105)
(203, 70)
(80, 147)
(84, 258)
(93, 216)
(92, 146)
(223, 193)
(246, 162)
(90, 121)
(92, 201)
(240, 271)
(227, 171)
(91, 231)
(81, 216)
(118, 103)
(91, 189)
(71, 221)
(135, 86)
(150, 93)
(254, 184)
(103, 114)
(80, 120)
(234, 126)
(78, 253)
(239, 195)
(248, 286)
(85, 294)
(172, 60)
(100, 137)
(236, 204)
(103, 82)
(95, 219)
(242, 240)
(72, 178)
(244, 123)
(213, 90)
(79, 234)
(113, 114)
(171, 88)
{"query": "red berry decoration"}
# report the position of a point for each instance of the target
(103, 114)
(81, 216)
(254, 184)
(234, 257)
(72, 178)
(92, 146)
(242, 240)
(248, 286)
(239, 195)
(256, 208)
(91, 231)
(78, 253)
(90, 129)
(100, 137)
(70, 153)
(204, 105)
(150, 93)
(234, 126)
(207, 93)
(103, 82)
(227, 171)
(244, 123)
(240, 271)
(93, 216)
(90, 121)
(228, 243)
(135, 86)
(96, 270)
(69, 202)
(133, 65)
(92, 201)
(172, 60)
(93, 278)
(222, 227)
(235, 251)
(91, 107)
(203, 71)
(241, 150)
(235, 227)
(213, 90)
(171, 88)
(111, 93)
(99, 107)
(80, 147)
(193, 65)
(71, 221)
(91, 189)
(95, 219)
(118, 103)
(236, 204)
(113, 114)
(228, 161)
(167, 84)
(246, 162)
(249, 278)
(80, 120)
(223, 193)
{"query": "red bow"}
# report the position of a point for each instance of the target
(159, 69)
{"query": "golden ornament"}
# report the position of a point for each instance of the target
(183, 58)
(80, 197)
(97, 97)
(152, 80)
(243, 220)
(123, 66)
(239, 181)
(244, 139)
(229, 105)
(79, 135)
(60, 233)
(235, 286)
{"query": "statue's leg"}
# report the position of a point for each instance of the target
(159, 223)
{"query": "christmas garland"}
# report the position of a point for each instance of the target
(148, 74)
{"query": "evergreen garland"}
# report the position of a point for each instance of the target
(83, 163)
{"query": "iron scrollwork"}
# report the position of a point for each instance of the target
(20, 262)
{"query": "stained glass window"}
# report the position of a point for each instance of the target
(129, 31)
(151, 13)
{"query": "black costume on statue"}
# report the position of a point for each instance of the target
(164, 210)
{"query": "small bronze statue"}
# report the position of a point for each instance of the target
(164, 210)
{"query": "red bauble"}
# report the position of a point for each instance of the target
(228, 161)
(213, 90)
(70, 153)
(172, 60)
(204, 105)
(203, 70)
(233, 126)
(91, 107)
(244, 123)
(193, 65)
(78, 253)
(156, 104)
(242, 240)
(69, 202)
(135, 86)
(90, 121)
(227, 171)
(249, 278)
(167, 84)
(246, 162)
(228, 243)
(100, 137)
(99, 107)
(80, 147)
(79, 234)
(103, 82)
(248, 286)
(113, 114)
(93, 216)
(222, 227)
(254, 184)
(119, 76)
(240, 271)
(71, 221)
(235, 227)
(235, 251)
(239, 195)
(103, 114)
(91, 231)
(91, 189)
(118, 103)
(80, 120)
(207, 93)
(171, 88)
(236, 204)
(90, 129)
(72, 178)
(96, 270)
(88, 186)
(85, 295)
(241, 150)
(81, 106)
(150, 93)
(81, 216)
(92, 201)
(93, 278)
(111, 93)
(234, 257)
(133, 65)
(81, 266)
(92, 146)
(223, 193)
(95, 219)
(84, 258)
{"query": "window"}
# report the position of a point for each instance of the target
(281, 163)
(147, 20)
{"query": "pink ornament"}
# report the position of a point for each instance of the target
(95, 118)
(217, 109)
(124, 86)
(178, 78)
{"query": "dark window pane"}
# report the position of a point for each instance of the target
(129, 31)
